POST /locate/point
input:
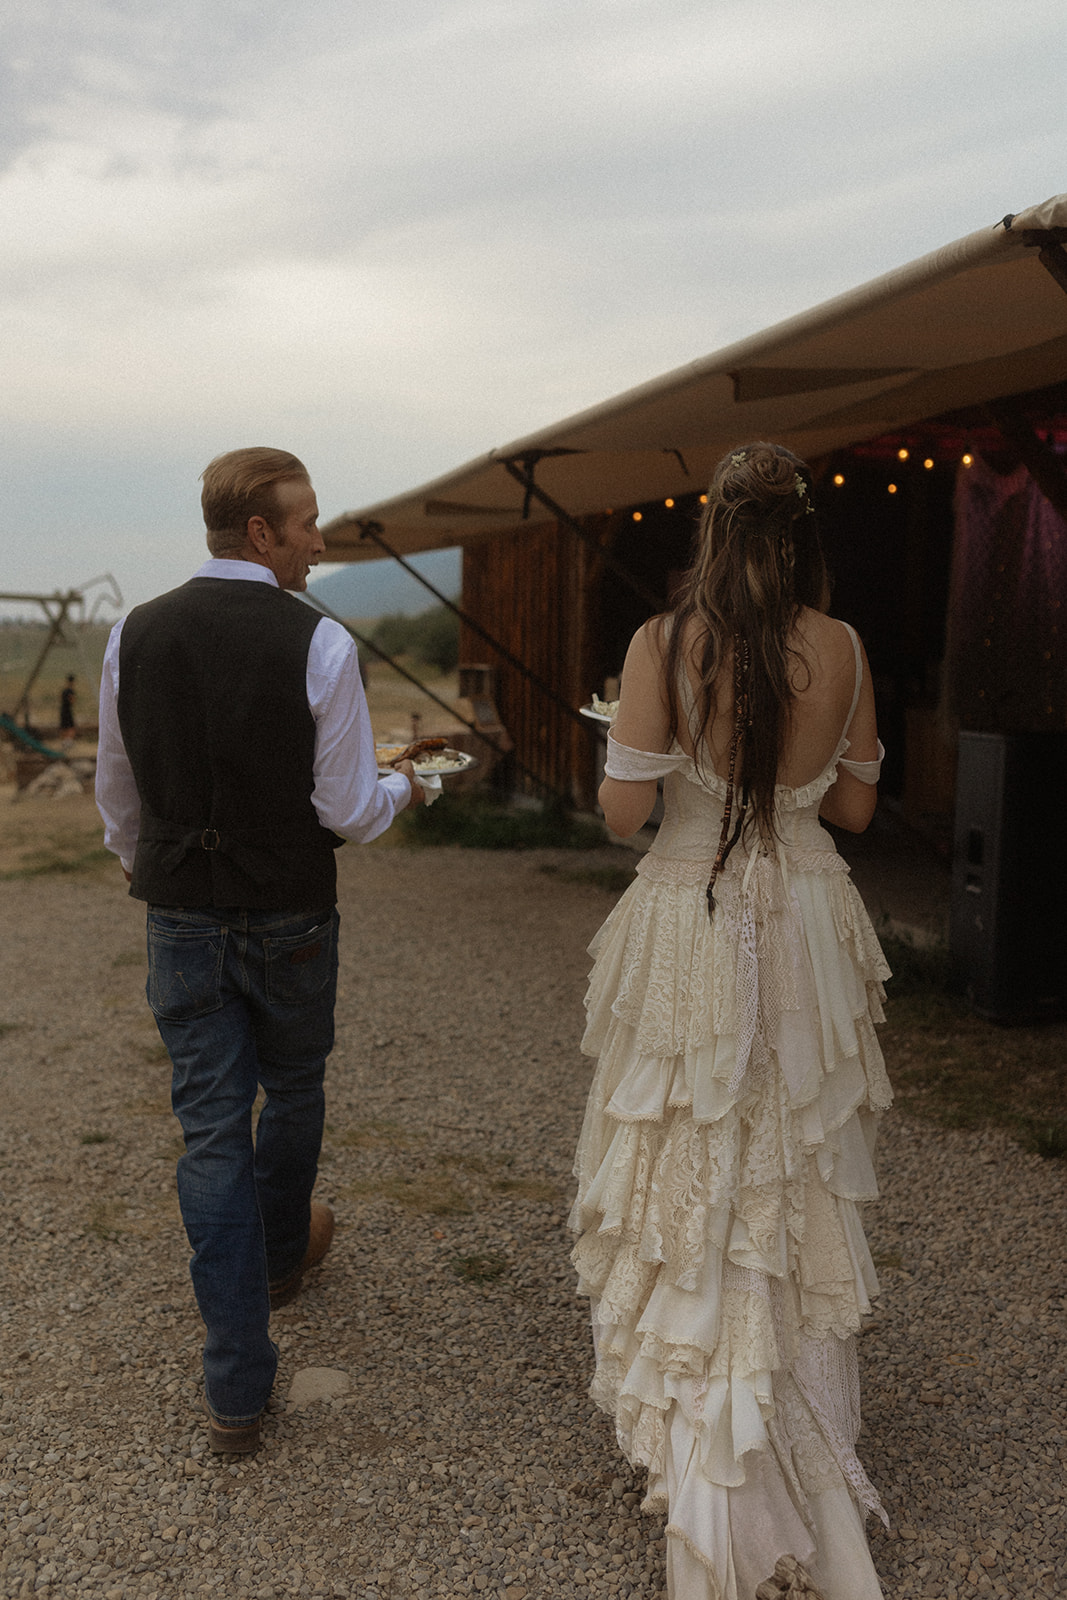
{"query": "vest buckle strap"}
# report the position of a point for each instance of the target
(209, 839)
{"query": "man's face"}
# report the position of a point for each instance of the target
(294, 543)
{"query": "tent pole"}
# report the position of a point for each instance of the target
(373, 530)
(546, 788)
(524, 474)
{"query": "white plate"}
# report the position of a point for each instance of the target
(596, 716)
(425, 767)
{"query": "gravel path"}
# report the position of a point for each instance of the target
(431, 1434)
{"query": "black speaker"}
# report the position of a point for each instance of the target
(1008, 917)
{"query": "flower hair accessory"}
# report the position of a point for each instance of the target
(738, 458)
(800, 488)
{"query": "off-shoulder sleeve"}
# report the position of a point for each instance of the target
(865, 771)
(637, 766)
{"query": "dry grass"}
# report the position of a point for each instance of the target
(113, 1219)
(393, 701)
(41, 836)
(434, 1182)
(82, 654)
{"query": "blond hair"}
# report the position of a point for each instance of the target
(242, 484)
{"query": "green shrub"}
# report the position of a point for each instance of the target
(480, 823)
(435, 638)
(431, 638)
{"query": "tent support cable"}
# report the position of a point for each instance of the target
(523, 472)
(383, 655)
(373, 531)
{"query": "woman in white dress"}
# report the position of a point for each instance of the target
(729, 1134)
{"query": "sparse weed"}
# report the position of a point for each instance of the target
(952, 1067)
(479, 1269)
(479, 822)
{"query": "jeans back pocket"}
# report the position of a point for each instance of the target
(298, 966)
(184, 970)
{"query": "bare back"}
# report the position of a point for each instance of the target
(824, 689)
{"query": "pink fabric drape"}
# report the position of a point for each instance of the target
(1005, 652)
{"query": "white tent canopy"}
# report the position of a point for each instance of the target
(975, 321)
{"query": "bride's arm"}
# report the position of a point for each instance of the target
(641, 724)
(850, 801)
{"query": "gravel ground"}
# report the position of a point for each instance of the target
(431, 1434)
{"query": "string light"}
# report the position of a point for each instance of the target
(838, 479)
(902, 455)
(928, 463)
(669, 504)
(968, 460)
(637, 516)
(892, 488)
(703, 499)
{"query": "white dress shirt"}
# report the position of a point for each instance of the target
(348, 794)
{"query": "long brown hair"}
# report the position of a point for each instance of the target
(759, 561)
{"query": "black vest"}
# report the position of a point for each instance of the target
(214, 716)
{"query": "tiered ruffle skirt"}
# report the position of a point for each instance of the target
(726, 1150)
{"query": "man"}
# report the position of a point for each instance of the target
(68, 731)
(235, 755)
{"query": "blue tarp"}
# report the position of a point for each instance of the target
(20, 735)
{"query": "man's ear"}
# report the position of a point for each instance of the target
(256, 534)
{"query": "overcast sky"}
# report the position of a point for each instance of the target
(389, 236)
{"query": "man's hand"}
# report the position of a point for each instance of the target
(418, 793)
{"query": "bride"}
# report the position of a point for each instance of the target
(729, 1134)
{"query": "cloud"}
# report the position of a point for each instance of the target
(391, 237)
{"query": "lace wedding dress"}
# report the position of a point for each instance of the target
(726, 1148)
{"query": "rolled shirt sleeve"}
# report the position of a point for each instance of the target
(349, 796)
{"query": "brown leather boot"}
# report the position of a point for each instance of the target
(320, 1235)
(225, 1441)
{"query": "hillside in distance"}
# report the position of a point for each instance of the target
(369, 589)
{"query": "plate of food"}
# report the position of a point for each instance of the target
(604, 711)
(430, 758)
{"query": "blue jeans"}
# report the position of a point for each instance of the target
(243, 999)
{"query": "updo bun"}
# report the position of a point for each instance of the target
(766, 480)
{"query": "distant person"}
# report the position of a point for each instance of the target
(731, 1120)
(235, 755)
(68, 730)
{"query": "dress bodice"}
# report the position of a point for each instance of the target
(694, 794)
(693, 802)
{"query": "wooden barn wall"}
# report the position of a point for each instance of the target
(527, 590)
